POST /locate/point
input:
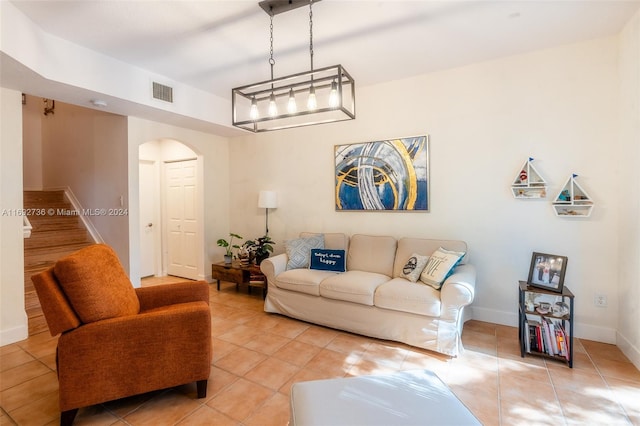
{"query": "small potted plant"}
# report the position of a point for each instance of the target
(244, 256)
(261, 248)
(229, 246)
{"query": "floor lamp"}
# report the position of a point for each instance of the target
(267, 200)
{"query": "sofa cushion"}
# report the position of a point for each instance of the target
(440, 265)
(425, 247)
(332, 240)
(299, 250)
(302, 280)
(352, 286)
(403, 295)
(372, 254)
(96, 284)
(328, 260)
(413, 267)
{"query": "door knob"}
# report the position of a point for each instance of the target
(149, 225)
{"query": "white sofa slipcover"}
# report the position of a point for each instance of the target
(371, 298)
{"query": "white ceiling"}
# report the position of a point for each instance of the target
(216, 45)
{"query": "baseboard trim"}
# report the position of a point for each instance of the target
(582, 331)
(494, 316)
(14, 334)
(627, 348)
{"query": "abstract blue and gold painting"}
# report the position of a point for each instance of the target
(389, 175)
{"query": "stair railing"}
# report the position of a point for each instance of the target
(26, 227)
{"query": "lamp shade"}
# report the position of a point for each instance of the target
(267, 200)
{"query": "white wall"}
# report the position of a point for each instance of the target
(213, 157)
(32, 114)
(13, 318)
(90, 72)
(558, 105)
(86, 150)
(629, 204)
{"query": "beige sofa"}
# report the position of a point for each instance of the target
(371, 298)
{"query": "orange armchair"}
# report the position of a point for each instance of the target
(118, 341)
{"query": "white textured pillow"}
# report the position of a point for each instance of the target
(413, 267)
(299, 250)
(440, 265)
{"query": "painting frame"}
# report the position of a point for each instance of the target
(544, 270)
(387, 175)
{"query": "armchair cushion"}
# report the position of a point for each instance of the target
(96, 284)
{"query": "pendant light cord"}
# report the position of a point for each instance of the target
(272, 61)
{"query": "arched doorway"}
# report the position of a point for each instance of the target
(171, 219)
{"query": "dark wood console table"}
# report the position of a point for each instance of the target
(238, 274)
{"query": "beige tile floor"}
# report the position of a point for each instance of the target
(257, 357)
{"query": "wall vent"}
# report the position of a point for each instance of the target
(162, 92)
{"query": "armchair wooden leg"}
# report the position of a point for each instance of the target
(67, 417)
(202, 388)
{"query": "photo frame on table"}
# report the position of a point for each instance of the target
(384, 175)
(547, 271)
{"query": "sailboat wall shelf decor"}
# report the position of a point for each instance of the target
(529, 184)
(572, 200)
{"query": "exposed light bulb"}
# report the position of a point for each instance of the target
(334, 100)
(253, 112)
(312, 103)
(273, 108)
(291, 106)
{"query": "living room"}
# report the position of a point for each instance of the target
(573, 107)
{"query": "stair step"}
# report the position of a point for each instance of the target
(35, 196)
(40, 203)
(56, 221)
(53, 236)
(37, 325)
(53, 253)
(49, 227)
(50, 211)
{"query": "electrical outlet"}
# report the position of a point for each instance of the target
(600, 300)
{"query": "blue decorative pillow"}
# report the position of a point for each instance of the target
(299, 250)
(328, 260)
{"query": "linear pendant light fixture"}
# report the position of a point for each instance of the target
(316, 96)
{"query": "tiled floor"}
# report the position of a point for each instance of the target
(258, 356)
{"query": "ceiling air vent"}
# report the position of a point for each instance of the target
(162, 92)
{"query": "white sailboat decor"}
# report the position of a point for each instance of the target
(572, 200)
(529, 183)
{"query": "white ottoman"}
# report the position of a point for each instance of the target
(404, 398)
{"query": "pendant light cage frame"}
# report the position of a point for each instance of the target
(299, 85)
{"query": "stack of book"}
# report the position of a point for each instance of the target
(546, 336)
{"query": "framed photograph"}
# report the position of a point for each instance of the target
(385, 175)
(547, 271)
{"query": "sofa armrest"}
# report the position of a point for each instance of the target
(169, 294)
(458, 290)
(273, 266)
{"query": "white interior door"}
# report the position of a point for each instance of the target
(149, 217)
(182, 218)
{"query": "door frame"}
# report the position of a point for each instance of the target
(158, 269)
(135, 223)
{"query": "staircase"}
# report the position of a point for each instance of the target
(53, 236)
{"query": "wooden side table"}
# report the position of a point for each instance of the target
(238, 274)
